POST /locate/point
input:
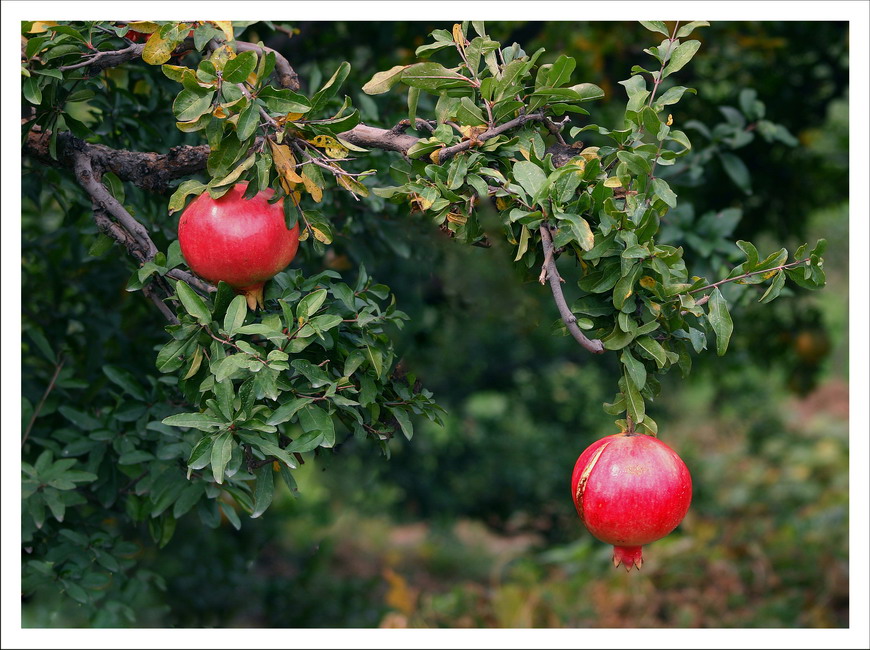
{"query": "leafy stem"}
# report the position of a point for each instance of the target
(714, 285)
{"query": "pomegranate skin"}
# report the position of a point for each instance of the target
(629, 490)
(243, 242)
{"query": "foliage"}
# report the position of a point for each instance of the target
(243, 395)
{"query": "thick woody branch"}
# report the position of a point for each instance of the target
(98, 62)
(151, 171)
(141, 245)
(375, 138)
(552, 275)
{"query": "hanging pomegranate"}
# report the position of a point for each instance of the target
(243, 242)
(630, 489)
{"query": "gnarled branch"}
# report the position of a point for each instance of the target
(551, 274)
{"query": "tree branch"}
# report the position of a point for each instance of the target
(150, 171)
(98, 62)
(552, 274)
(287, 76)
(103, 201)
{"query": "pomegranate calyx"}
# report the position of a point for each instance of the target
(628, 556)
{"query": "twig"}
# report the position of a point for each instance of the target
(552, 274)
(57, 369)
(287, 77)
(740, 277)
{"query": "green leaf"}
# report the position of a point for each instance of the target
(190, 105)
(634, 368)
(720, 320)
(664, 192)
(681, 56)
(286, 411)
(404, 421)
(657, 26)
(284, 101)
(308, 441)
(192, 303)
(221, 452)
(637, 164)
(688, 28)
(530, 177)
(673, 95)
(381, 82)
(310, 303)
(32, 91)
(134, 457)
(263, 490)
(201, 453)
(737, 171)
(125, 380)
(238, 69)
(654, 349)
(82, 420)
(580, 229)
(249, 119)
(235, 316)
(200, 421)
(179, 197)
(774, 289)
(634, 403)
(314, 418)
(467, 112)
(433, 77)
(328, 90)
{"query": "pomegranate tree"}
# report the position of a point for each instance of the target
(243, 242)
(630, 489)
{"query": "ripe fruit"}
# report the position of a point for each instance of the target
(243, 242)
(629, 490)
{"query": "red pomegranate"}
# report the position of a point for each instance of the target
(630, 489)
(243, 242)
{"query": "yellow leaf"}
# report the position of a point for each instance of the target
(321, 236)
(590, 153)
(458, 37)
(219, 112)
(613, 181)
(333, 148)
(40, 26)
(143, 26)
(158, 50)
(435, 156)
(420, 202)
(220, 57)
(399, 596)
(471, 132)
(523, 245)
(670, 119)
(312, 187)
(292, 117)
(352, 185)
(525, 153)
(226, 26)
(285, 165)
(503, 202)
(455, 217)
(647, 282)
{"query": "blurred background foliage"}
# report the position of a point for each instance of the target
(472, 525)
